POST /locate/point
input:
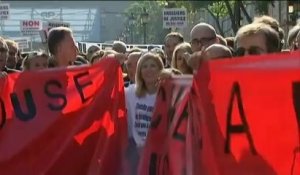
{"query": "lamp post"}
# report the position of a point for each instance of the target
(145, 19)
(291, 14)
(131, 23)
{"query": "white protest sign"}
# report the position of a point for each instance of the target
(22, 43)
(4, 11)
(52, 24)
(31, 27)
(174, 18)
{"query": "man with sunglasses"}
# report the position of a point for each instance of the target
(256, 39)
(203, 35)
(3, 59)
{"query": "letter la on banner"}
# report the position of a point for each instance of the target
(164, 151)
(63, 121)
(250, 115)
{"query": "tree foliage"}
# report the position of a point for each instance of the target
(153, 31)
(219, 10)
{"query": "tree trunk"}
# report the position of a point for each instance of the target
(237, 14)
(232, 18)
(216, 18)
(249, 19)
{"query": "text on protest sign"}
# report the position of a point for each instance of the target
(4, 11)
(174, 18)
(31, 27)
(52, 24)
(22, 43)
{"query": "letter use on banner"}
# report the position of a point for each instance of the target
(66, 121)
(250, 113)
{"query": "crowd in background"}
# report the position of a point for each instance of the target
(142, 70)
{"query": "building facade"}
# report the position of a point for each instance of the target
(91, 21)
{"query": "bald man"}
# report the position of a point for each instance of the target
(202, 35)
(216, 51)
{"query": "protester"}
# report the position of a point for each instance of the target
(171, 41)
(292, 36)
(20, 60)
(62, 46)
(216, 51)
(35, 61)
(131, 65)
(202, 35)
(274, 24)
(297, 42)
(80, 60)
(230, 42)
(178, 60)
(97, 56)
(256, 39)
(119, 47)
(12, 54)
(3, 59)
(161, 53)
(221, 40)
(140, 97)
(91, 50)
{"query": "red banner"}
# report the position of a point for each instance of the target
(165, 146)
(63, 121)
(250, 110)
(241, 116)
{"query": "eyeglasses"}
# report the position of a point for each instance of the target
(201, 41)
(251, 51)
(3, 49)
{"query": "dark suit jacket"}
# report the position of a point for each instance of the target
(8, 70)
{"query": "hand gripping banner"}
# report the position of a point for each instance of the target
(63, 121)
(241, 117)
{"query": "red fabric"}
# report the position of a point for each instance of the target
(164, 151)
(266, 92)
(87, 136)
(262, 91)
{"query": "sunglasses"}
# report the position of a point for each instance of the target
(251, 51)
(3, 49)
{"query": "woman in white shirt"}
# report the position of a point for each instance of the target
(140, 100)
(141, 97)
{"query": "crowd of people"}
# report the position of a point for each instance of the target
(142, 71)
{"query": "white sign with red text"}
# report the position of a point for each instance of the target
(31, 27)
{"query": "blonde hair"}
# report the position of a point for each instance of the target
(26, 61)
(3, 42)
(140, 84)
(12, 43)
(185, 47)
